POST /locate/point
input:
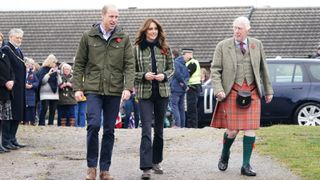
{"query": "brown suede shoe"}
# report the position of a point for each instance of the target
(105, 175)
(91, 174)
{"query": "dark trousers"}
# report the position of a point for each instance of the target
(52, 110)
(152, 153)
(95, 105)
(131, 106)
(192, 108)
(9, 131)
(30, 115)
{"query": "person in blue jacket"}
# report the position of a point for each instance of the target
(178, 85)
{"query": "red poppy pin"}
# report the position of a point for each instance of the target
(162, 51)
(118, 40)
(252, 46)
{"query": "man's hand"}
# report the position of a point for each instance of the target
(125, 95)
(28, 86)
(9, 85)
(268, 98)
(220, 96)
(79, 95)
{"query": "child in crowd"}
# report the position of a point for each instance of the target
(32, 83)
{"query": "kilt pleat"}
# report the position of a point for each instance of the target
(229, 115)
(5, 110)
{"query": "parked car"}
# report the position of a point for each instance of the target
(296, 100)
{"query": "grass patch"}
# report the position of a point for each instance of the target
(297, 147)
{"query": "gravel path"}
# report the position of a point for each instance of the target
(59, 153)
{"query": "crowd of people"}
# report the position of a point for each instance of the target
(144, 79)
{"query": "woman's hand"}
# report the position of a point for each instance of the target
(149, 76)
(159, 77)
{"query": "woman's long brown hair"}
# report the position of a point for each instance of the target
(141, 35)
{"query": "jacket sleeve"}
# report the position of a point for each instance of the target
(139, 74)
(169, 71)
(264, 72)
(129, 65)
(35, 83)
(216, 70)
(80, 63)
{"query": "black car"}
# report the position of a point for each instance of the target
(296, 99)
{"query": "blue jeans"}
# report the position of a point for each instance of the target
(110, 106)
(177, 107)
(131, 105)
(81, 109)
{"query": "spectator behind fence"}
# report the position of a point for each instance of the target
(154, 67)
(49, 79)
(104, 71)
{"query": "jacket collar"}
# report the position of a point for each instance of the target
(95, 31)
(144, 44)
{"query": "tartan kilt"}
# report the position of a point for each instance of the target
(229, 115)
(5, 110)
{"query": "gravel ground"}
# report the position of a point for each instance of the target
(59, 153)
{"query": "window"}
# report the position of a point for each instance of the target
(285, 73)
(315, 72)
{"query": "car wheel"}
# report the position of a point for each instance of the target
(308, 114)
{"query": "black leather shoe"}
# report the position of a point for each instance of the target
(247, 171)
(19, 145)
(223, 163)
(11, 147)
(3, 149)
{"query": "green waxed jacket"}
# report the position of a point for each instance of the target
(104, 67)
(143, 65)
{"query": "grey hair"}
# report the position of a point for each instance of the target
(105, 8)
(15, 31)
(242, 20)
(49, 60)
(29, 60)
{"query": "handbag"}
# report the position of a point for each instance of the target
(243, 99)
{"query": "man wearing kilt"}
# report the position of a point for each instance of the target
(239, 64)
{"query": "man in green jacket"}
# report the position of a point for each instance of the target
(104, 71)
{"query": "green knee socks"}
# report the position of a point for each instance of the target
(227, 142)
(248, 143)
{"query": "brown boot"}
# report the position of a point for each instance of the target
(91, 174)
(105, 175)
(63, 121)
(72, 122)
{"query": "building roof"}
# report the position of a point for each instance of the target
(288, 32)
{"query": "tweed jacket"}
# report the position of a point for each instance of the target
(224, 66)
(143, 65)
(104, 67)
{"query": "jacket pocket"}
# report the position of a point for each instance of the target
(116, 83)
(92, 81)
